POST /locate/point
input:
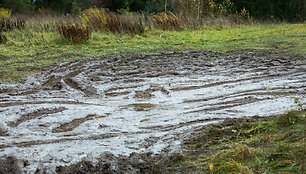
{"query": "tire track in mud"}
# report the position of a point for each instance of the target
(150, 101)
(73, 124)
(18, 103)
(44, 142)
(228, 82)
(229, 104)
(256, 92)
(36, 114)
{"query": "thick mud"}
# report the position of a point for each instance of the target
(119, 114)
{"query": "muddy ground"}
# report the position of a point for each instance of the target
(114, 114)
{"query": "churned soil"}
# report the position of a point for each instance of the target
(118, 114)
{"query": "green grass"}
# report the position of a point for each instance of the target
(30, 51)
(260, 145)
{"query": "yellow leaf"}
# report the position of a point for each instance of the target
(211, 166)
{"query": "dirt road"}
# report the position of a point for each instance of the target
(83, 109)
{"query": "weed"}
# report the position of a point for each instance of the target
(166, 21)
(132, 26)
(298, 103)
(12, 23)
(289, 118)
(233, 167)
(95, 18)
(75, 31)
(279, 153)
(102, 20)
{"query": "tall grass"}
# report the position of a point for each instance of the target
(75, 31)
(166, 21)
(79, 28)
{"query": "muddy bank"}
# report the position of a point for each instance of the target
(83, 109)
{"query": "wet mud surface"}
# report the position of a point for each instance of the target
(126, 110)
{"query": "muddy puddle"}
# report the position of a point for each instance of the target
(82, 110)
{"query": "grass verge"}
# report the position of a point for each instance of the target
(29, 51)
(248, 145)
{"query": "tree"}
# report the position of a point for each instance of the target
(290, 10)
(62, 6)
(17, 6)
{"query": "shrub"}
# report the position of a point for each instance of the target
(5, 13)
(113, 23)
(74, 31)
(166, 21)
(132, 25)
(103, 20)
(94, 18)
(9, 24)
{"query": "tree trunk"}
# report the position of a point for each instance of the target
(165, 6)
(199, 9)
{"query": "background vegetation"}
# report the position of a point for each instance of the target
(293, 10)
(38, 34)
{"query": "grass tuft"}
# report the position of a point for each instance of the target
(166, 21)
(74, 31)
(277, 147)
(289, 118)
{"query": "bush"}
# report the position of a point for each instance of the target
(75, 31)
(5, 13)
(166, 21)
(9, 24)
(132, 26)
(103, 20)
(95, 18)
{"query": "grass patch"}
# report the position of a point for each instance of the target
(41, 50)
(248, 145)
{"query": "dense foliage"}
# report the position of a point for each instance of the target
(293, 10)
(290, 10)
